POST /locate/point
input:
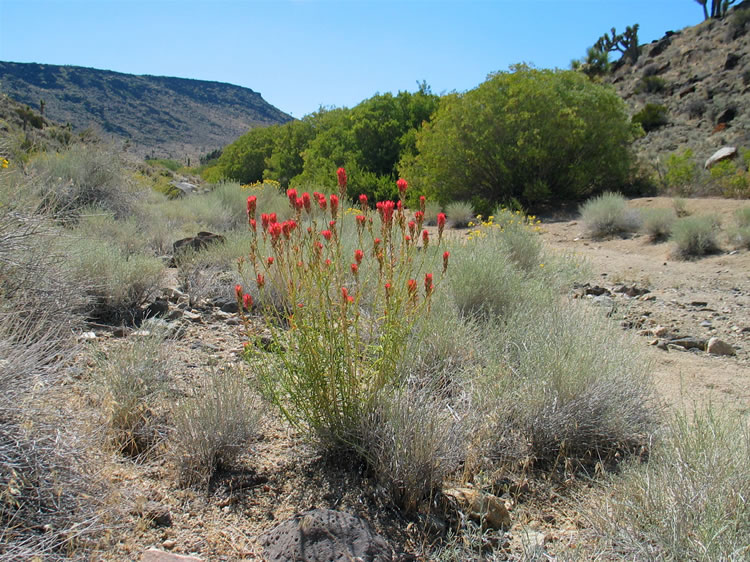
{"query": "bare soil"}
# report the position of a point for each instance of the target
(280, 476)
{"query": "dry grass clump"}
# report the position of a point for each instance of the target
(459, 213)
(213, 426)
(689, 501)
(739, 236)
(695, 236)
(130, 381)
(657, 223)
(608, 215)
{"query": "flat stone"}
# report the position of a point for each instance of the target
(689, 342)
(156, 555)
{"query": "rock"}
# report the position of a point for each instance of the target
(185, 187)
(726, 116)
(596, 291)
(156, 555)
(160, 307)
(196, 243)
(87, 336)
(169, 544)
(192, 316)
(721, 154)
(689, 342)
(719, 347)
(225, 304)
(660, 331)
(633, 291)
(662, 345)
(324, 534)
(488, 509)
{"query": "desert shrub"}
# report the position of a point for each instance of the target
(740, 234)
(608, 215)
(695, 108)
(81, 176)
(651, 117)
(118, 283)
(431, 210)
(459, 213)
(680, 207)
(730, 179)
(566, 397)
(126, 234)
(657, 223)
(516, 134)
(688, 501)
(130, 379)
(682, 173)
(412, 442)
(651, 85)
(695, 236)
(172, 165)
(213, 425)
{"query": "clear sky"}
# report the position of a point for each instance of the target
(303, 54)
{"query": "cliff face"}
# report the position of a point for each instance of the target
(169, 117)
(701, 75)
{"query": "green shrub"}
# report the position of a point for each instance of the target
(680, 207)
(213, 425)
(651, 117)
(608, 215)
(732, 180)
(516, 134)
(695, 236)
(651, 85)
(689, 501)
(130, 380)
(459, 213)
(657, 223)
(682, 173)
(172, 165)
(740, 234)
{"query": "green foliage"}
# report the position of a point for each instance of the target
(651, 85)
(245, 159)
(730, 179)
(626, 43)
(682, 173)
(651, 117)
(172, 165)
(608, 215)
(695, 236)
(523, 134)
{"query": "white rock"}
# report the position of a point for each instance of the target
(721, 154)
(718, 347)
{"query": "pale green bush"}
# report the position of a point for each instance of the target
(695, 236)
(459, 214)
(608, 215)
(657, 223)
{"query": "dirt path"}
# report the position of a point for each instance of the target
(704, 298)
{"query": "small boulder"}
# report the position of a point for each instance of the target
(488, 509)
(689, 342)
(719, 347)
(721, 154)
(198, 242)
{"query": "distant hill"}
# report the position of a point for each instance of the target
(169, 117)
(701, 75)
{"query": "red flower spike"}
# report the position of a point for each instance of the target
(441, 224)
(291, 194)
(388, 289)
(346, 296)
(411, 286)
(361, 219)
(428, 285)
(322, 202)
(261, 280)
(402, 185)
(425, 238)
(419, 217)
(412, 227)
(265, 221)
(247, 301)
(358, 255)
(355, 268)
(275, 229)
(251, 203)
(253, 225)
(446, 255)
(270, 260)
(422, 203)
(326, 234)
(328, 262)
(334, 205)
(332, 224)
(363, 202)
(306, 201)
(407, 238)
(341, 173)
(272, 218)
(238, 291)
(299, 203)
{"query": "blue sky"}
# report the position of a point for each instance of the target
(303, 54)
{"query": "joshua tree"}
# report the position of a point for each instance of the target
(626, 43)
(718, 8)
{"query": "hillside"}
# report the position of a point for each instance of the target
(163, 116)
(701, 74)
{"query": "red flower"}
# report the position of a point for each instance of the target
(253, 225)
(251, 202)
(412, 227)
(422, 203)
(361, 221)
(291, 194)
(287, 227)
(363, 202)
(341, 173)
(446, 255)
(275, 229)
(247, 301)
(272, 218)
(238, 291)
(346, 296)
(425, 237)
(385, 208)
(428, 286)
(355, 268)
(388, 288)
(407, 238)
(332, 224)
(328, 262)
(411, 286)
(299, 203)
(261, 281)
(441, 225)
(402, 185)
(322, 202)
(270, 260)
(306, 201)
(326, 234)
(358, 255)
(265, 221)
(334, 205)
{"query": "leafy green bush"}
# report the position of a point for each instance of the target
(459, 213)
(212, 426)
(608, 215)
(682, 173)
(688, 501)
(517, 134)
(657, 223)
(651, 117)
(695, 236)
(732, 180)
